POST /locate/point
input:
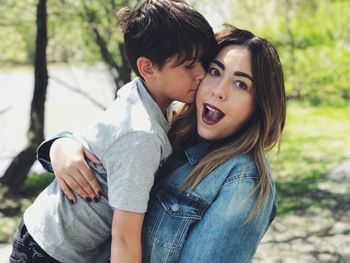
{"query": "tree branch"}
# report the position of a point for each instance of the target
(5, 110)
(80, 92)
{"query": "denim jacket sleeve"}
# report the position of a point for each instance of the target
(224, 236)
(43, 151)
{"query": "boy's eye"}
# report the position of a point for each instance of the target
(213, 72)
(189, 66)
(240, 85)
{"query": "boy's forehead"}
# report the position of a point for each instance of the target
(185, 58)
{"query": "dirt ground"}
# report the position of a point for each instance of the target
(308, 239)
(318, 235)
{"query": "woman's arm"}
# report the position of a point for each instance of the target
(72, 171)
(222, 235)
(65, 157)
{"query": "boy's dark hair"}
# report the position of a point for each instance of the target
(161, 29)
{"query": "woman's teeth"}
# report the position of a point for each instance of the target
(211, 115)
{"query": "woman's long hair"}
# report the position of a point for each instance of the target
(263, 129)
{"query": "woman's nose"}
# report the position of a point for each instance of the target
(219, 91)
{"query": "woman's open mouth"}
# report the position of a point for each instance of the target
(211, 115)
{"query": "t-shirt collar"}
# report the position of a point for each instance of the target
(151, 105)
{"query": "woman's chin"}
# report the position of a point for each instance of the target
(207, 134)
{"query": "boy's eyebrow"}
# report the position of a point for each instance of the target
(237, 73)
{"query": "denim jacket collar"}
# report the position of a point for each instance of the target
(195, 153)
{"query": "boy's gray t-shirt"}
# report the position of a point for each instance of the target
(131, 141)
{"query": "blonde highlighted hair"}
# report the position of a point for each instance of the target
(261, 133)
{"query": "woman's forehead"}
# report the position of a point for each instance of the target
(235, 56)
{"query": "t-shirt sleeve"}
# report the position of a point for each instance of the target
(131, 164)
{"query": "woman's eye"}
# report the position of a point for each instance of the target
(214, 72)
(240, 85)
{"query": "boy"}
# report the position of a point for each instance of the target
(165, 43)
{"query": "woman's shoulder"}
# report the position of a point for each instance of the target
(243, 166)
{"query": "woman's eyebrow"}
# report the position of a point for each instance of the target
(237, 73)
(242, 74)
(217, 62)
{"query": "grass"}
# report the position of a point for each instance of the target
(315, 140)
(12, 208)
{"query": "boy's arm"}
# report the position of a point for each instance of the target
(131, 163)
(126, 237)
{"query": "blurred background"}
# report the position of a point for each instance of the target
(61, 64)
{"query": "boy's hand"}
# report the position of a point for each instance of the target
(72, 171)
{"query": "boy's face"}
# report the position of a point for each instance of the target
(178, 82)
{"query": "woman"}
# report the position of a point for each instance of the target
(214, 198)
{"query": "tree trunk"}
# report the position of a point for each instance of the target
(121, 74)
(17, 172)
(125, 69)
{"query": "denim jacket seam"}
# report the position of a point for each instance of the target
(198, 200)
(177, 241)
(158, 223)
(236, 177)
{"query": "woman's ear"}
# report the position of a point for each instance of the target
(146, 68)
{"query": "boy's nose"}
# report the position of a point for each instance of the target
(200, 71)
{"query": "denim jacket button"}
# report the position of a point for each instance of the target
(175, 207)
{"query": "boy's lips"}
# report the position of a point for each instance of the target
(211, 115)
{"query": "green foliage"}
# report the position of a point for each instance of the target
(35, 183)
(17, 31)
(318, 70)
(70, 25)
(312, 38)
(71, 38)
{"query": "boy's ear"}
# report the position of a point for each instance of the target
(146, 68)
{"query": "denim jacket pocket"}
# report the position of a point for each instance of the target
(170, 218)
(184, 205)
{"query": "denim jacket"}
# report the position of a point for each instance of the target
(206, 224)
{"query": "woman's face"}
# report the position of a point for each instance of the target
(225, 98)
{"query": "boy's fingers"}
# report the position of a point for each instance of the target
(91, 179)
(91, 156)
(66, 190)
